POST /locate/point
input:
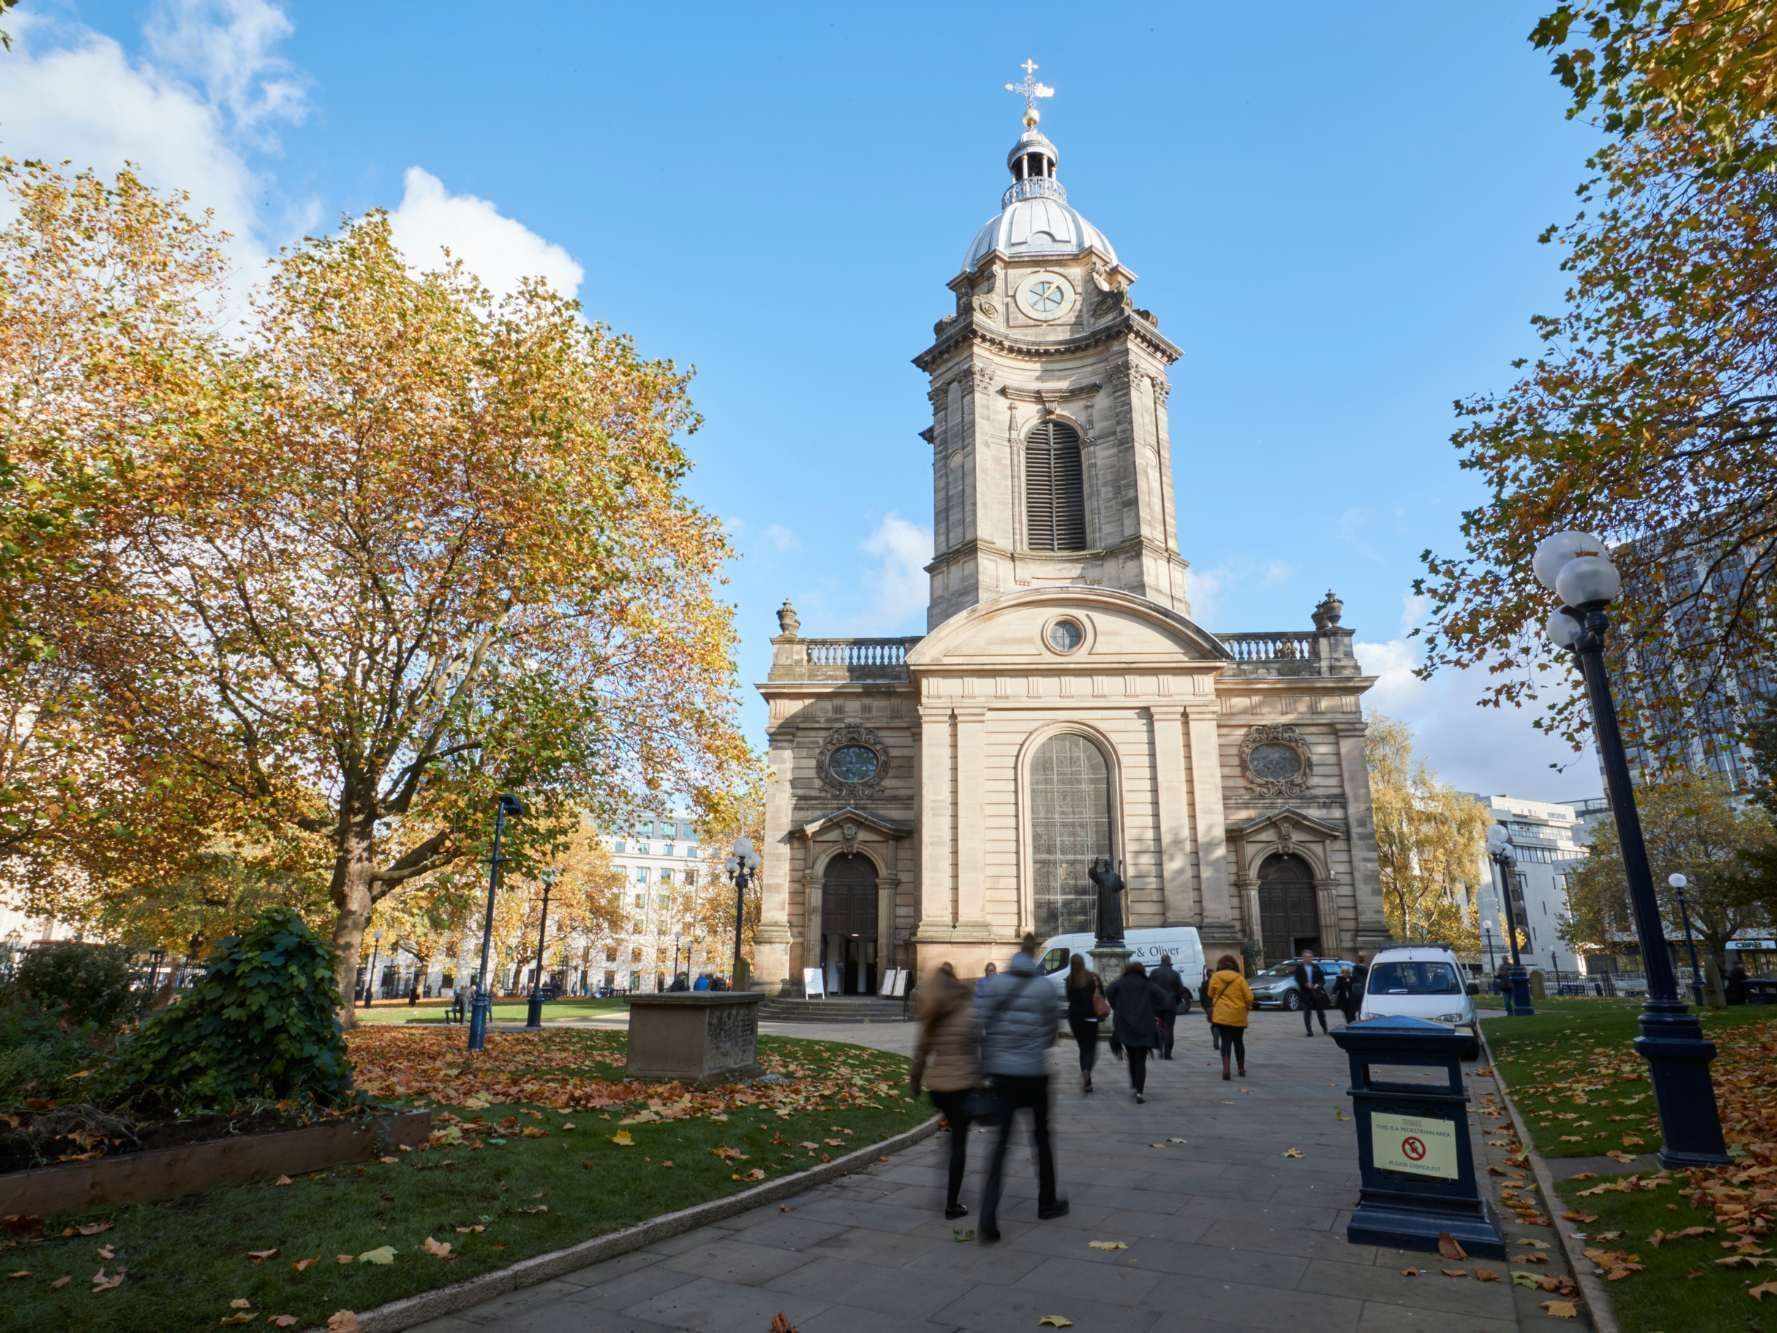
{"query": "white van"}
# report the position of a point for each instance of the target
(1422, 981)
(1180, 943)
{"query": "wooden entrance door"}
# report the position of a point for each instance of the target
(1289, 918)
(848, 925)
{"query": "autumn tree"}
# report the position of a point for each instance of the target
(411, 547)
(1430, 841)
(1692, 826)
(1647, 413)
(732, 813)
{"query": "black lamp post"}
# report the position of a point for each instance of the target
(1575, 566)
(1487, 935)
(1555, 962)
(155, 958)
(534, 1014)
(1679, 884)
(1499, 847)
(376, 944)
(483, 1007)
(741, 864)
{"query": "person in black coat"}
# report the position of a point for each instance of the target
(1173, 988)
(1313, 993)
(1135, 1019)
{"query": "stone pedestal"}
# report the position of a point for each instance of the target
(1109, 960)
(695, 1036)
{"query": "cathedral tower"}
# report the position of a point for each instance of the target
(1051, 460)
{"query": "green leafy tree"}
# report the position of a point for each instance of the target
(1429, 843)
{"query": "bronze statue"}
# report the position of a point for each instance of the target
(1110, 901)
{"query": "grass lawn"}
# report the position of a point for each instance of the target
(1583, 1091)
(539, 1142)
(504, 1011)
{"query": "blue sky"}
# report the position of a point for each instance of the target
(1333, 212)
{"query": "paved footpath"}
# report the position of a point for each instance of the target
(1223, 1231)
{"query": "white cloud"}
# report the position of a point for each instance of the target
(1208, 588)
(499, 250)
(227, 48)
(780, 538)
(901, 584)
(1487, 750)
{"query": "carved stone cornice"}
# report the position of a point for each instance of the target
(1131, 326)
(1050, 398)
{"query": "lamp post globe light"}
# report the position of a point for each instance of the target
(741, 864)
(1499, 847)
(534, 1011)
(482, 1010)
(1679, 884)
(1577, 568)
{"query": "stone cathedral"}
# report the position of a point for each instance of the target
(933, 797)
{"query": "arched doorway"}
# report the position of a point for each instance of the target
(1289, 919)
(848, 925)
(1070, 824)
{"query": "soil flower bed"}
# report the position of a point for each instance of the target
(1677, 1249)
(539, 1142)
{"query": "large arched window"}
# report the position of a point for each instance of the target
(1070, 824)
(1054, 489)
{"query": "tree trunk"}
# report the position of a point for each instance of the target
(350, 891)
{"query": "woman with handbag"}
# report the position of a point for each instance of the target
(1135, 1007)
(1086, 1008)
(945, 1060)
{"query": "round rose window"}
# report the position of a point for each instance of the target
(853, 763)
(1275, 763)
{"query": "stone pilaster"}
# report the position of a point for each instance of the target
(1212, 834)
(971, 859)
(1366, 874)
(937, 908)
(1168, 730)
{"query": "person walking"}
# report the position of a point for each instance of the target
(1135, 1017)
(1215, 1038)
(945, 1061)
(1017, 1014)
(1086, 1006)
(1360, 977)
(1313, 993)
(1230, 1001)
(986, 977)
(1173, 988)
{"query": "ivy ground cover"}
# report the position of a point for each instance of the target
(1677, 1249)
(538, 1142)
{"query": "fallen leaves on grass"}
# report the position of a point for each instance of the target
(107, 1282)
(301, 1265)
(342, 1321)
(283, 1321)
(61, 1282)
(440, 1248)
(1763, 1290)
(258, 1256)
(382, 1254)
(283, 1180)
(624, 1139)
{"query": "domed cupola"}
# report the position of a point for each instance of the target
(1035, 218)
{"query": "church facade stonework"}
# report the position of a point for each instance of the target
(933, 797)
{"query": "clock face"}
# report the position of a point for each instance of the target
(1046, 296)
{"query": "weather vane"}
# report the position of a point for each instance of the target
(1031, 89)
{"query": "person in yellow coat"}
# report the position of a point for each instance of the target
(1230, 1000)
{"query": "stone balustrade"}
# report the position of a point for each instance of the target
(841, 659)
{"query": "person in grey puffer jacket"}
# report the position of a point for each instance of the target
(1018, 1016)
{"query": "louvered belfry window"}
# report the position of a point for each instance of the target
(1054, 489)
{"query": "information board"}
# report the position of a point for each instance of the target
(814, 986)
(901, 975)
(887, 987)
(1415, 1144)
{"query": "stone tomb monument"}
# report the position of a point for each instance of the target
(695, 1036)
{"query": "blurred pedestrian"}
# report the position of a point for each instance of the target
(1135, 1017)
(945, 1061)
(1173, 988)
(1312, 991)
(1086, 1006)
(1215, 1038)
(986, 977)
(1017, 1015)
(1230, 1001)
(1360, 978)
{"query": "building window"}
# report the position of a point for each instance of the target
(666, 875)
(1070, 824)
(617, 846)
(641, 901)
(641, 874)
(1054, 489)
(690, 879)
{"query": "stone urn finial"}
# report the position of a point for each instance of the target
(1328, 613)
(787, 621)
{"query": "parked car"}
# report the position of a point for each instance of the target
(1275, 987)
(1422, 981)
(1180, 943)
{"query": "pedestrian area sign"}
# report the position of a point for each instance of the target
(1418, 1145)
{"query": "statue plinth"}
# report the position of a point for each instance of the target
(1109, 960)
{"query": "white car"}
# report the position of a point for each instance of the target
(1421, 981)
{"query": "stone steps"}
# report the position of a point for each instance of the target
(849, 1009)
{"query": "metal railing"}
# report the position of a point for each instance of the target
(1037, 187)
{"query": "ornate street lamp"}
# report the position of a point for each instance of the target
(742, 862)
(1487, 935)
(534, 1014)
(376, 943)
(1679, 884)
(484, 1001)
(1499, 847)
(1574, 565)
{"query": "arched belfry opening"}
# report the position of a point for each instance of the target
(1054, 488)
(849, 947)
(1289, 918)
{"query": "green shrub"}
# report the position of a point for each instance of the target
(75, 983)
(39, 1057)
(258, 1028)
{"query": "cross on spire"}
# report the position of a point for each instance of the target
(1031, 90)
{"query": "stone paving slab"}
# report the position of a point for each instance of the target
(1222, 1231)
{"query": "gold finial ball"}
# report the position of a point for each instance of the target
(1031, 117)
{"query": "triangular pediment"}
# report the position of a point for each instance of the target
(850, 814)
(1288, 817)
